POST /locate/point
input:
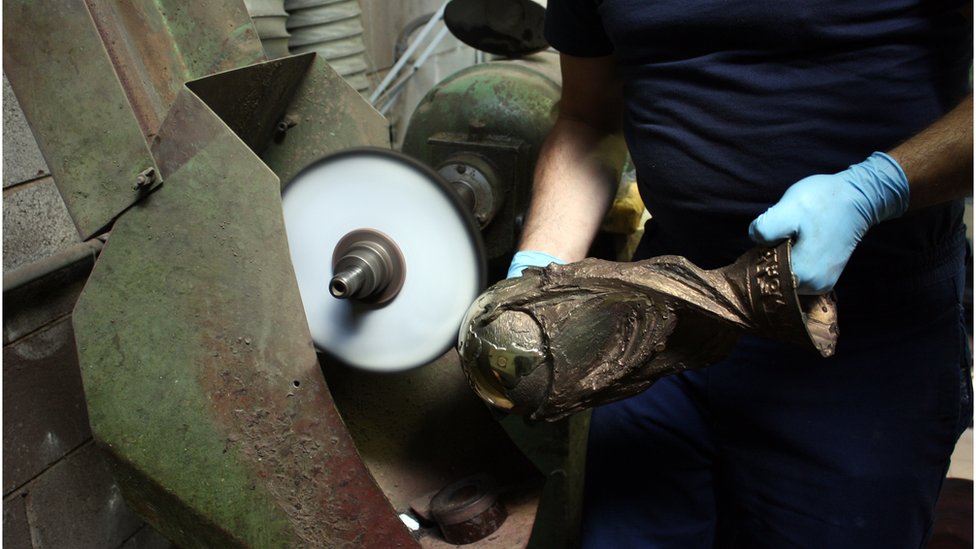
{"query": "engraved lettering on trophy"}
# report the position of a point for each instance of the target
(767, 278)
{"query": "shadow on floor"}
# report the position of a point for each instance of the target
(954, 516)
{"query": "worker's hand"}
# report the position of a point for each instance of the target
(525, 259)
(827, 215)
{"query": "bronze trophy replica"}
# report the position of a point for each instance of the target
(565, 338)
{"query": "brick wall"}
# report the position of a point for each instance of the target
(57, 489)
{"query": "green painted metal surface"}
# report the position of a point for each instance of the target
(252, 100)
(201, 380)
(146, 362)
(76, 108)
(498, 99)
(328, 115)
(558, 450)
(96, 78)
(158, 46)
(500, 113)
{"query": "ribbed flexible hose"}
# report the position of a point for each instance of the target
(334, 30)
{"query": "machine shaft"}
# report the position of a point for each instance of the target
(367, 267)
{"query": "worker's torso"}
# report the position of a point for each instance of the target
(729, 103)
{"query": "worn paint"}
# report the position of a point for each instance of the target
(76, 108)
(200, 373)
(497, 112)
(499, 99)
(119, 66)
(156, 47)
(328, 115)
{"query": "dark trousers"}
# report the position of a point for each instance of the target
(776, 447)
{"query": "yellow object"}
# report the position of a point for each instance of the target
(626, 215)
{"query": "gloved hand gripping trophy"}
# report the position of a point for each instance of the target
(827, 215)
(557, 340)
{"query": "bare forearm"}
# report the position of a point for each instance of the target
(939, 160)
(575, 179)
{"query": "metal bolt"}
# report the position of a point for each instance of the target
(476, 129)
(145, 179)
(288, 121)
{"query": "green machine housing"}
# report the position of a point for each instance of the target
(481, 129)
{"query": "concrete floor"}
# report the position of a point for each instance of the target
(962, 458)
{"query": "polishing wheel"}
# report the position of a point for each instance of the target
(387, 258)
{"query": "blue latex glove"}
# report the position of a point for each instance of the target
(827, 215)
(525, 259)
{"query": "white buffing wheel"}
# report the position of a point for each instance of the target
(443, 265)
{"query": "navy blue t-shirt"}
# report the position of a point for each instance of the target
(728, 103)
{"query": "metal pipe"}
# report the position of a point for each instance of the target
(398, 87)
(398, 66)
